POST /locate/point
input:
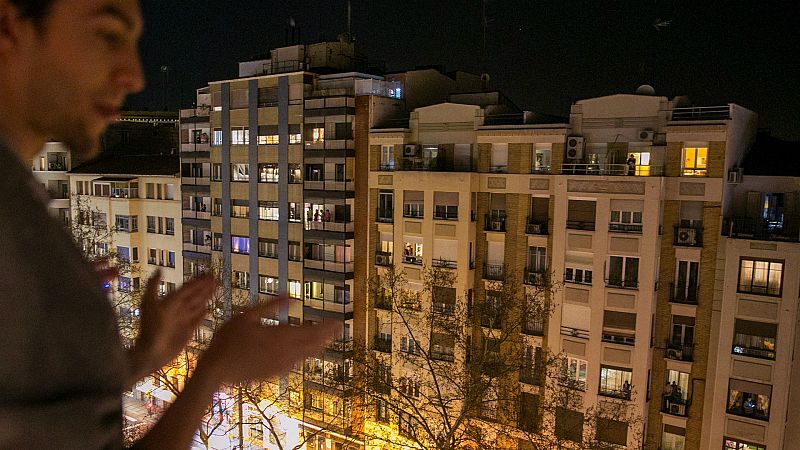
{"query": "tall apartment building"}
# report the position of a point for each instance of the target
(50, 168)
(669, 304)
(276, 164)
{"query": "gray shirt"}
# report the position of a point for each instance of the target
(61, 363)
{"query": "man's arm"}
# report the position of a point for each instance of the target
(242, 350)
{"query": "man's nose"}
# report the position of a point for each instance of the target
(131, 75)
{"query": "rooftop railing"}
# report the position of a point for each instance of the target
(702, 113)
(760, 230)
(611, 170)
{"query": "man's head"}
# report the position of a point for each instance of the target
(66, 67)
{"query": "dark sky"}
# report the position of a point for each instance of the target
(543, 54)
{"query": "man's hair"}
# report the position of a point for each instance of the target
(33, 9)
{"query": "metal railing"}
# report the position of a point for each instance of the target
(676, 405)
(535, 277)
(740, 347)
(575, 332)
(625, 227)
(534, 227)
(702, 113)
(444, 263)
(533, 326)
(686, 295)
(613, 337)
(498, 169)
(612, 170)
(761, 230)
(493, 271)
(444, 215)
(580, 225)
(495, 222)
(621, 393)
(341, 345)
(433, 165)
(679, 351)
(620, 283)
(532, 375)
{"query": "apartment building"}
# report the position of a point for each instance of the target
(622, 206)
(50, 168)
(274, 198)
(129, 207)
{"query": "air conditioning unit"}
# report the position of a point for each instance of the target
(497, 225)
(678, 409)
(410, 150)
(687, 236)
(646, 135)
(673, 354)
(735, 176)
(574, 148)
(535, 228)
(382, 259)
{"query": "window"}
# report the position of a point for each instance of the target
(409, 387)
(406, 424)
(126, 223)
(217, 137)
(217, 242)
(409, 345)
(755, 339)
(623, 271)
(575, 275)
(240, 208)
(124, 284)
(152, 256)
(240, 172)
(268, 248)
(749, 399)
(295, 138)
(295, 289)
(735, 444)
(216, 174)
(268, 173)
(387, 157)
(581, 214)
(123, 254)
(569, 424)
(760, 276)
(240, 245)
(382, 411)
(99, 219)
(541, 158)
(268, 284)
(171, 259)
(626, 221)
(686, 282)
(239, 136)
(615, 382)
(295, 173)
(499, 158)
(385, 206)
(268, 211)
(413, 204)
(170, 229)
(295, 212)
(295, 251)
(318, 134)
(445, 205)
(695, 160)
(412, 252)
(673, 438)
(241, 279)
(216, 207)
(573, 374)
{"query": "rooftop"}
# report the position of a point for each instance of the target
(165, 165)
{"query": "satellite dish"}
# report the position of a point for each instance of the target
(645, 89)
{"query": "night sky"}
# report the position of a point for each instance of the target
(543, 54)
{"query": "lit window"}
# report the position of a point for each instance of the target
(241, 280)
(735, 444)
(695, 161)
(295, 138)
(268, 173)
(268, 211)
(269, 139)
(217, 137)
(268, 284)
(760, 277)
(317, 134)
(615, 382)
(295, 289)
(239, 136)
(573, 374)
(240, 172)
(749, 399)
(240, 244)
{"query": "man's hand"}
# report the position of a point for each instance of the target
(244, 349)
(167, 323)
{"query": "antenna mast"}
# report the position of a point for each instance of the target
(348, 16)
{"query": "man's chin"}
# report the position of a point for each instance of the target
(82, 148)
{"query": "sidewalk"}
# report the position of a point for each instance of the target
(135, 411)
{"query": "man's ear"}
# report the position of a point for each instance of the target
(10, 26)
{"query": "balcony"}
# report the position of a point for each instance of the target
(625, 227)
(444, 263)
(341, 345)
(575, 332)
(622, 284)
(618, 337)
(689, 236)
(580, 225)
(382, 344)
(413, 259)
(623, 393)
(433, 165)
(679, 351)
(536, 227)
(495, 222)
(386, 167)
(494, 272)
(686, 295)
(383, 259)
(676, 405)
(533, 326)
(447, 309)
(339, 227)
(611, 170)
(532, 375)
(331, 266)
(535, 277)
(443, 354)
(760, 230)
(384, 215)
(498, 169)
(753, 346)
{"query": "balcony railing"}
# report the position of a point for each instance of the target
(493, 272)
(686, 295)
(676, 405)
(702, 113)
(575, 332)
(689, 236)
(433, 165)
(536, 227)
(382, 344)
(384, 215)
(386, 167)
(532, 375)
(412, 259)
(498, 169)
(341, 345)
(611, 170)
(495, 222)
(625, 227)
(623, 284)
(442, 355)
(533, 326)
(444, 215)
(620, 392)
(742, 345)
(761, 230)
(383, 259)
(444, 263)
(580, 225)
(535, 277)
(616, 337)
(679, 351)
(447, 309)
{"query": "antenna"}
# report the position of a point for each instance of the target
(349, 15)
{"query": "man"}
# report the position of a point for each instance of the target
(66, 67)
